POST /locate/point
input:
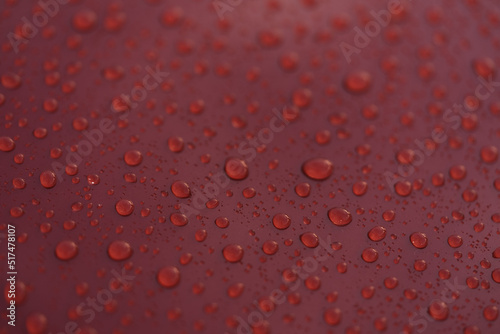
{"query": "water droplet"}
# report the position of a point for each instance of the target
(317, 169)
(222, 222)
(36, 323)
(6, 144)
(11, 80)
(391, 282)
(406, 156)
(489, 154)
(233, 253)
(359, 188)
(495, 275)
(339, 216)
(84, 20)
(19, 183)
(357, 82)
(303, 189)
(377, 233)
(270, 247)
(420, 265)
(458, 172)
(235, 290)
(419, 240)
(178, 219)
(455, 241)
(168, 276)
(369, 255)
(472, 330)
(438, 310)
(132, 157)
(490, 312)
(180, 189)
(312, 283)
(281, 221)
(124, 207)
(66, 250)
(176, 144)
(403, 188)
(236, 169)
(48, 179)
(484, 67)
(333, 316)
(119, 250)
(309, 239)
(172, 16)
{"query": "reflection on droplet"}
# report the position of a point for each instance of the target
(333, 316)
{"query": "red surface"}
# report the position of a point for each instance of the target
(308, 139)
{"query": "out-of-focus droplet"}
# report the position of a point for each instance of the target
(490, 313)
(235, 290)
(333, 316)
(11, 80)
(36, 323)
(489, 154)
(357, 82)
(84, 20)
(458, 172)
